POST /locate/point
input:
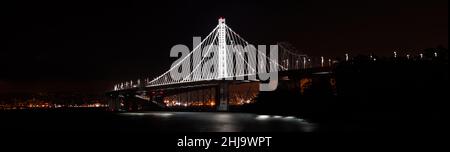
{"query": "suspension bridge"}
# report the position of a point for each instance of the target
(220, 70)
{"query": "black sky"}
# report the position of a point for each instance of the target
(88, 46)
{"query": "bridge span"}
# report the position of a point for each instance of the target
(234, 79)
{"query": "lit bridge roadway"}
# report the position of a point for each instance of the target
(219, 89)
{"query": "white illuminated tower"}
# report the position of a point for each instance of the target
(222, 58)
(222, 65)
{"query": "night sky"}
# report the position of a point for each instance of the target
(89, 46)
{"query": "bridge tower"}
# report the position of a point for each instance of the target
(222, 66)
(222, 63)
(222, 96)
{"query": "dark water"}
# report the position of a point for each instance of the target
(152, 121)
(217, 122)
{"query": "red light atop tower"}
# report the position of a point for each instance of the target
(221, 20)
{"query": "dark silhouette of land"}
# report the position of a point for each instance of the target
(389, 93)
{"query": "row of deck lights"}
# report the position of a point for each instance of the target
(305, 62)
(408, 56)
(130, 84)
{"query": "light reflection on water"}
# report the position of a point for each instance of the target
(217, 122)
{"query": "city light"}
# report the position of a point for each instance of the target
(304, 62)
(321, 61)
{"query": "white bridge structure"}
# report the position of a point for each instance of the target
(224, 55)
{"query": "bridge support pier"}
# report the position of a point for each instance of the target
(223, 96)
(114, 104)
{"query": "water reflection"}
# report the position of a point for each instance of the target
(215, 122)
(158, 114)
